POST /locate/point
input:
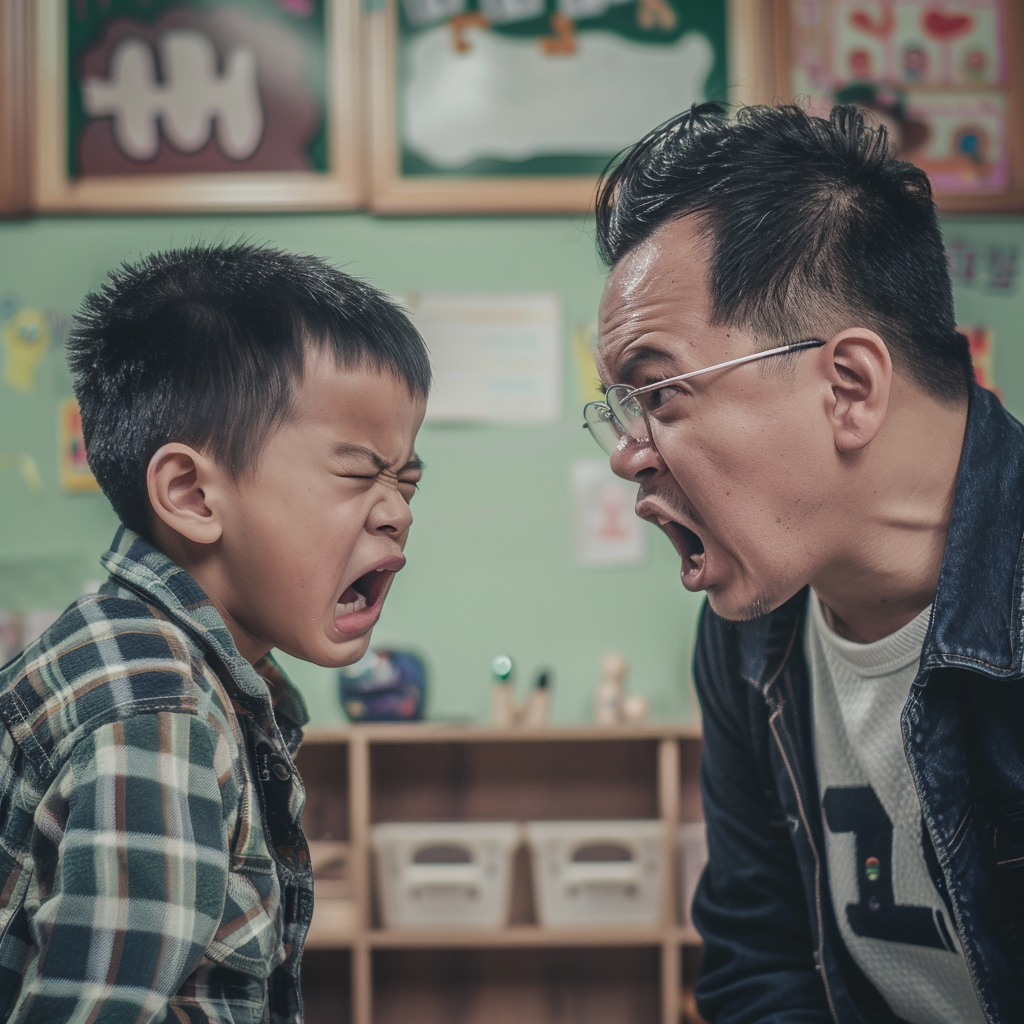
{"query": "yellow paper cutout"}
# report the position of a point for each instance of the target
(26, 466)
(73, 466)
(26, 338)
(584, 342)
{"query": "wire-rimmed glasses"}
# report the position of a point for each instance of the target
(622, 415)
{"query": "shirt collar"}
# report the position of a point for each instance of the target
(136, 564)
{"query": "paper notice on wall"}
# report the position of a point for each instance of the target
(607, 529)
(981, 344)
(496, 357)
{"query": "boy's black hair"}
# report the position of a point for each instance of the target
(811, 225)
(203, 346)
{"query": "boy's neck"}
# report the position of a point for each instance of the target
(205, 568)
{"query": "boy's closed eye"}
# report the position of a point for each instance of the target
(357, 462)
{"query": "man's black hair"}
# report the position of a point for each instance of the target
(203, 346)
(812, 227)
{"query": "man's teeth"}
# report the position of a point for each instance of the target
(353, 606)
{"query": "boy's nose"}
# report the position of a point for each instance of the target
(392, 515)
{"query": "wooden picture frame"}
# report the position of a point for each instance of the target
(395, 187)
(99, 170)
(14, 108)
(997, 101)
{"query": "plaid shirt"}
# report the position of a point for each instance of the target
(152, 866)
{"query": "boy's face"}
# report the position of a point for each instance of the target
(312, 539)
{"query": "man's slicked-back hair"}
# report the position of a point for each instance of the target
(204, 345)
(811, 225)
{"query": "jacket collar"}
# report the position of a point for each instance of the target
(135, 563)
(976, 614)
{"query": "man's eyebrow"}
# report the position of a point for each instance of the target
(344, 449)
(415, 463)
(637, 358)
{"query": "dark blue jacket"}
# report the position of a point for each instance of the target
(773, 952)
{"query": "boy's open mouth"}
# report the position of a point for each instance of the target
(362, 599)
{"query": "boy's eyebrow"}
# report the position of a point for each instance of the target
(345, 449)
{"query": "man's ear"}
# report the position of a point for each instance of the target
(859, 369)
(181, 483)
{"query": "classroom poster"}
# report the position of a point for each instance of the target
(935, 74)
(196, 86)
(497, 358)
(608, 531)
(547, 87)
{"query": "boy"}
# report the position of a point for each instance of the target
(251, 415)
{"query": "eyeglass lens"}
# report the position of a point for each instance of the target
(626, 410)
(602, 426)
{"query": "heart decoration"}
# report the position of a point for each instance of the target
(880, 29)
(947, 27)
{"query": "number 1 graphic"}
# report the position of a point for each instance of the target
(877, 915)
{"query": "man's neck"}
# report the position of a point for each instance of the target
(890, 543)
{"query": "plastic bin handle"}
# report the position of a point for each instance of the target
(440, 875)
(610, 872)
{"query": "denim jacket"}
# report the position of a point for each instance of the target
(772, 947)
(152, 866)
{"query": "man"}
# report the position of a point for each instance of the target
(853, 506)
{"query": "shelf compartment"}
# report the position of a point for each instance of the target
(323, 768)
(517, 937)
(327, 986)
(543, 986)
(524, 781)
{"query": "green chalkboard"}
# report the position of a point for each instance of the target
(268, 57)
(534, 88)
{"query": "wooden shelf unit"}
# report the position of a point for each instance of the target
(360, 972)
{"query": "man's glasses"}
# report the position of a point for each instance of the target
(622, 414)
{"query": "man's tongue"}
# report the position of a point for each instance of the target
(351, 601)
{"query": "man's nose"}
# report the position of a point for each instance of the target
(635, 459)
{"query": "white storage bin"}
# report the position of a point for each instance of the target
(597, 872)
(445, 873)
(693, 856)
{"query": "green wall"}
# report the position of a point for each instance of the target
(491, 557)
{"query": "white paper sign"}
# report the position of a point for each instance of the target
(607, 529)
(496, 357)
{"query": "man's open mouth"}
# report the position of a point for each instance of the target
(687, 543)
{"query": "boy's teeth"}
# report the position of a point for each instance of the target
(353, 606)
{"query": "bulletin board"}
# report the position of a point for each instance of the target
(192, 104)
(517, 105)
(938, 75)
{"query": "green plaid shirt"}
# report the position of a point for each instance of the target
(152, 866)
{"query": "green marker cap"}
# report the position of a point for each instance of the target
(502, 667)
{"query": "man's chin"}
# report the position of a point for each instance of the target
(733, 610)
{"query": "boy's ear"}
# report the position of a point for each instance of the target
(180, 482)
(860, 376)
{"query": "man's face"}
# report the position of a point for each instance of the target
(312, 540)
(741, 462)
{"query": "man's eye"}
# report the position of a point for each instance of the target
(408, 488)
(654, 400)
